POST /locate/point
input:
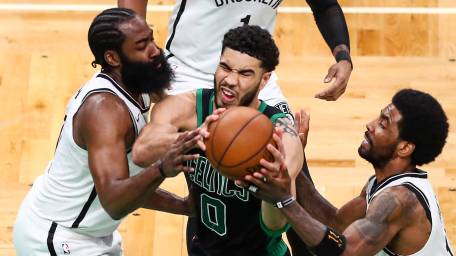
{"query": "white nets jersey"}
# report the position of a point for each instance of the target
(196, 27)
(437, 243)
(65, 193)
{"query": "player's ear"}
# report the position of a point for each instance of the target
(405, 148)
(112, 58)
(265, 79)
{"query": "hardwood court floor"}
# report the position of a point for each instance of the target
(32, 112)
(44, 58)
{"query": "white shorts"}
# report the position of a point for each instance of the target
(36, 236)
(189, 79)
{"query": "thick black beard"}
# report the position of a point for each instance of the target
(145, 77)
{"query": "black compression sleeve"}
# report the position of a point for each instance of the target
(330, 21)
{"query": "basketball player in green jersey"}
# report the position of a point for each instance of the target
(196, 28)
(229, 220)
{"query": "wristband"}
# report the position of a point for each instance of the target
(160, 169)
(332, 243)
(285, 202)
(344, 55)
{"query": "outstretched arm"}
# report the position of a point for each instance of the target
(139, 6)
(288, 143)
(331, 23)
(119, 193)
(388, 213)
(165, 125)
(325, 212)
(165, 201)
(288, 154)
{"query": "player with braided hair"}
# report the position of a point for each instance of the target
(76, 206)
(104, 34)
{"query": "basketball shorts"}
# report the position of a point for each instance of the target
(33, 235)
(189, 79)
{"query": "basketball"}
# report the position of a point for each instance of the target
(238, 141)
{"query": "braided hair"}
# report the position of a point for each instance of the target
(104, 33)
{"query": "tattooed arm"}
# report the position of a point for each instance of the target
(389, 212)
(293, 157)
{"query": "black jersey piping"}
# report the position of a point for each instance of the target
(50, 239)
(85, 208)
(448, 247)
(421, 198)
(89, 93)
(387, 251)
(178, 16)
(376, 187)
(125, 93)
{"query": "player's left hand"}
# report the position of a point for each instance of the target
(340, 73)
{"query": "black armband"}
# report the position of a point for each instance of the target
(332, 243)
(160, 169)
(344, 55)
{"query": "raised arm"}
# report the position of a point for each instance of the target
(291, 156)
(165, 201)
(292, 147)
(139, 6)
(331, 23)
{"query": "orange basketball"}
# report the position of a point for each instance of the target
(238, 141)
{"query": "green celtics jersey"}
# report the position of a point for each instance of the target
(228, 220)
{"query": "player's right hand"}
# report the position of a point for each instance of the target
(173, 161)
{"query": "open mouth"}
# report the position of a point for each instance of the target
(367, 140)
(228, 96)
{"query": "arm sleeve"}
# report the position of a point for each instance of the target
(330, 21)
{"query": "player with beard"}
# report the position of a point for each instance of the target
(229, 220)
(76, 206)
(141, 75)
(397, 212)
